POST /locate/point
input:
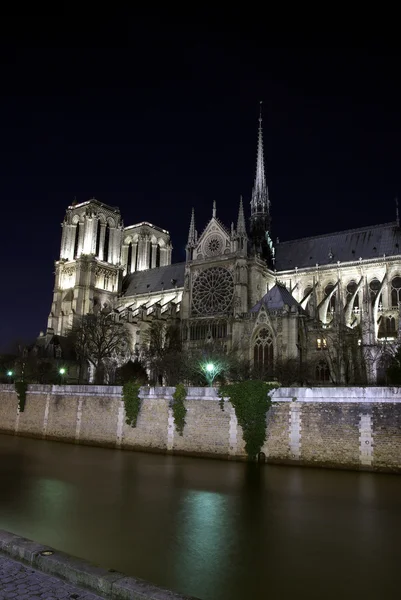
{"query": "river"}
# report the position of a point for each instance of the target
(217, 530)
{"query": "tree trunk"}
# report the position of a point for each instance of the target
(99, 374)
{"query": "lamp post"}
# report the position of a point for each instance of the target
(10, 374)
(211, 372)
(61, 373)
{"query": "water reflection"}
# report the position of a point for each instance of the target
(213, 529)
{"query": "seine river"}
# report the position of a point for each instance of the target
(217, 530)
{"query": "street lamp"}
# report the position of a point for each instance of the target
(10, 373)
(62, 372)
(211, 372)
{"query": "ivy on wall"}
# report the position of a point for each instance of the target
(20, 388)
(179, 410)
(251, 401)
(132, 402)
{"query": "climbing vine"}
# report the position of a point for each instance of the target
(132, 402)
(179, 410)
(20, 388)
(251, 401)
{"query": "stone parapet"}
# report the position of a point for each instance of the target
(354, 428)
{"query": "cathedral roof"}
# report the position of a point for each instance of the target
(343, 246)
(154, 280)
(276, 298)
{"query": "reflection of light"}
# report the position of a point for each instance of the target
(209, 367)
(204, 528)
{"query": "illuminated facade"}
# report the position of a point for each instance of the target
(330, 302)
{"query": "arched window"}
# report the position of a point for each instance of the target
(322, 371)
(98, 228)
(396, 291)
(76, 240)
(374, 287)
(157, 255)
(387, 327)
(307, 291)
(327, 291)
(129, 258)
(263, 353)
(106, 243)
(352, 286)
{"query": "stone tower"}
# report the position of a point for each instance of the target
(87, 276)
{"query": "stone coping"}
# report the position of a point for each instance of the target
(300, 394)
(110, 584)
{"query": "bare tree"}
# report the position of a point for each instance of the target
(101, 341)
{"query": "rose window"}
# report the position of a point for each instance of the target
(213, 245)
(213, 291)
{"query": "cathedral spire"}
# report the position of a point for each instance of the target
(260, 206)
(241, 229)
(260, 202)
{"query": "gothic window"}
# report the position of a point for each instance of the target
(374, 287)
(327, 291)
(322, 371)
(214, 245)
(213, 291)
(387, 327)
(129, 258)
(307, 291)
(351, 289)
(98, 229)
(203, 331)
(396, 291)
(106, 243)
(321, 344)
(263, 353)
(76, 240)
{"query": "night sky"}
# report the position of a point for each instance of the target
(170, 122)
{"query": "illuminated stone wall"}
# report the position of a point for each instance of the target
(358, 428)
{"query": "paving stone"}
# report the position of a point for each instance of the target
(20, 582)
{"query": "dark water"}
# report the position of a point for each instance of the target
(217, 530)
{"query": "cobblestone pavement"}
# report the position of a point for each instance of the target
(21, 582)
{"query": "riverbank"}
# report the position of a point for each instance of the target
(348, 428)
(82, 576)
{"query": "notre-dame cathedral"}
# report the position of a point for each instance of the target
(329, 301)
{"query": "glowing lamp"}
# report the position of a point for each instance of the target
(210, 367)
(10, 373)
(62, 371)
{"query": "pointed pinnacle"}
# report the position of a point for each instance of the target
(192, 233)
(241, 229)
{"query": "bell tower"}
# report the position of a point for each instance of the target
(87, 276)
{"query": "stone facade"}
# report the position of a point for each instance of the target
(352, 428)
(329, 303)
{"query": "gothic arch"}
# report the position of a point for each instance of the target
(101, 218)
(263, 350)
(111, 222)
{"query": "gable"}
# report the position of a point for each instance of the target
(214, 241)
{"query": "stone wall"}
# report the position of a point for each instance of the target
(358, 428)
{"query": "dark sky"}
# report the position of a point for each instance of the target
(170, 122)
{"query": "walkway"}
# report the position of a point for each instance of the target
(21, 582)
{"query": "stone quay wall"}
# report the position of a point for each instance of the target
(353, 428)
